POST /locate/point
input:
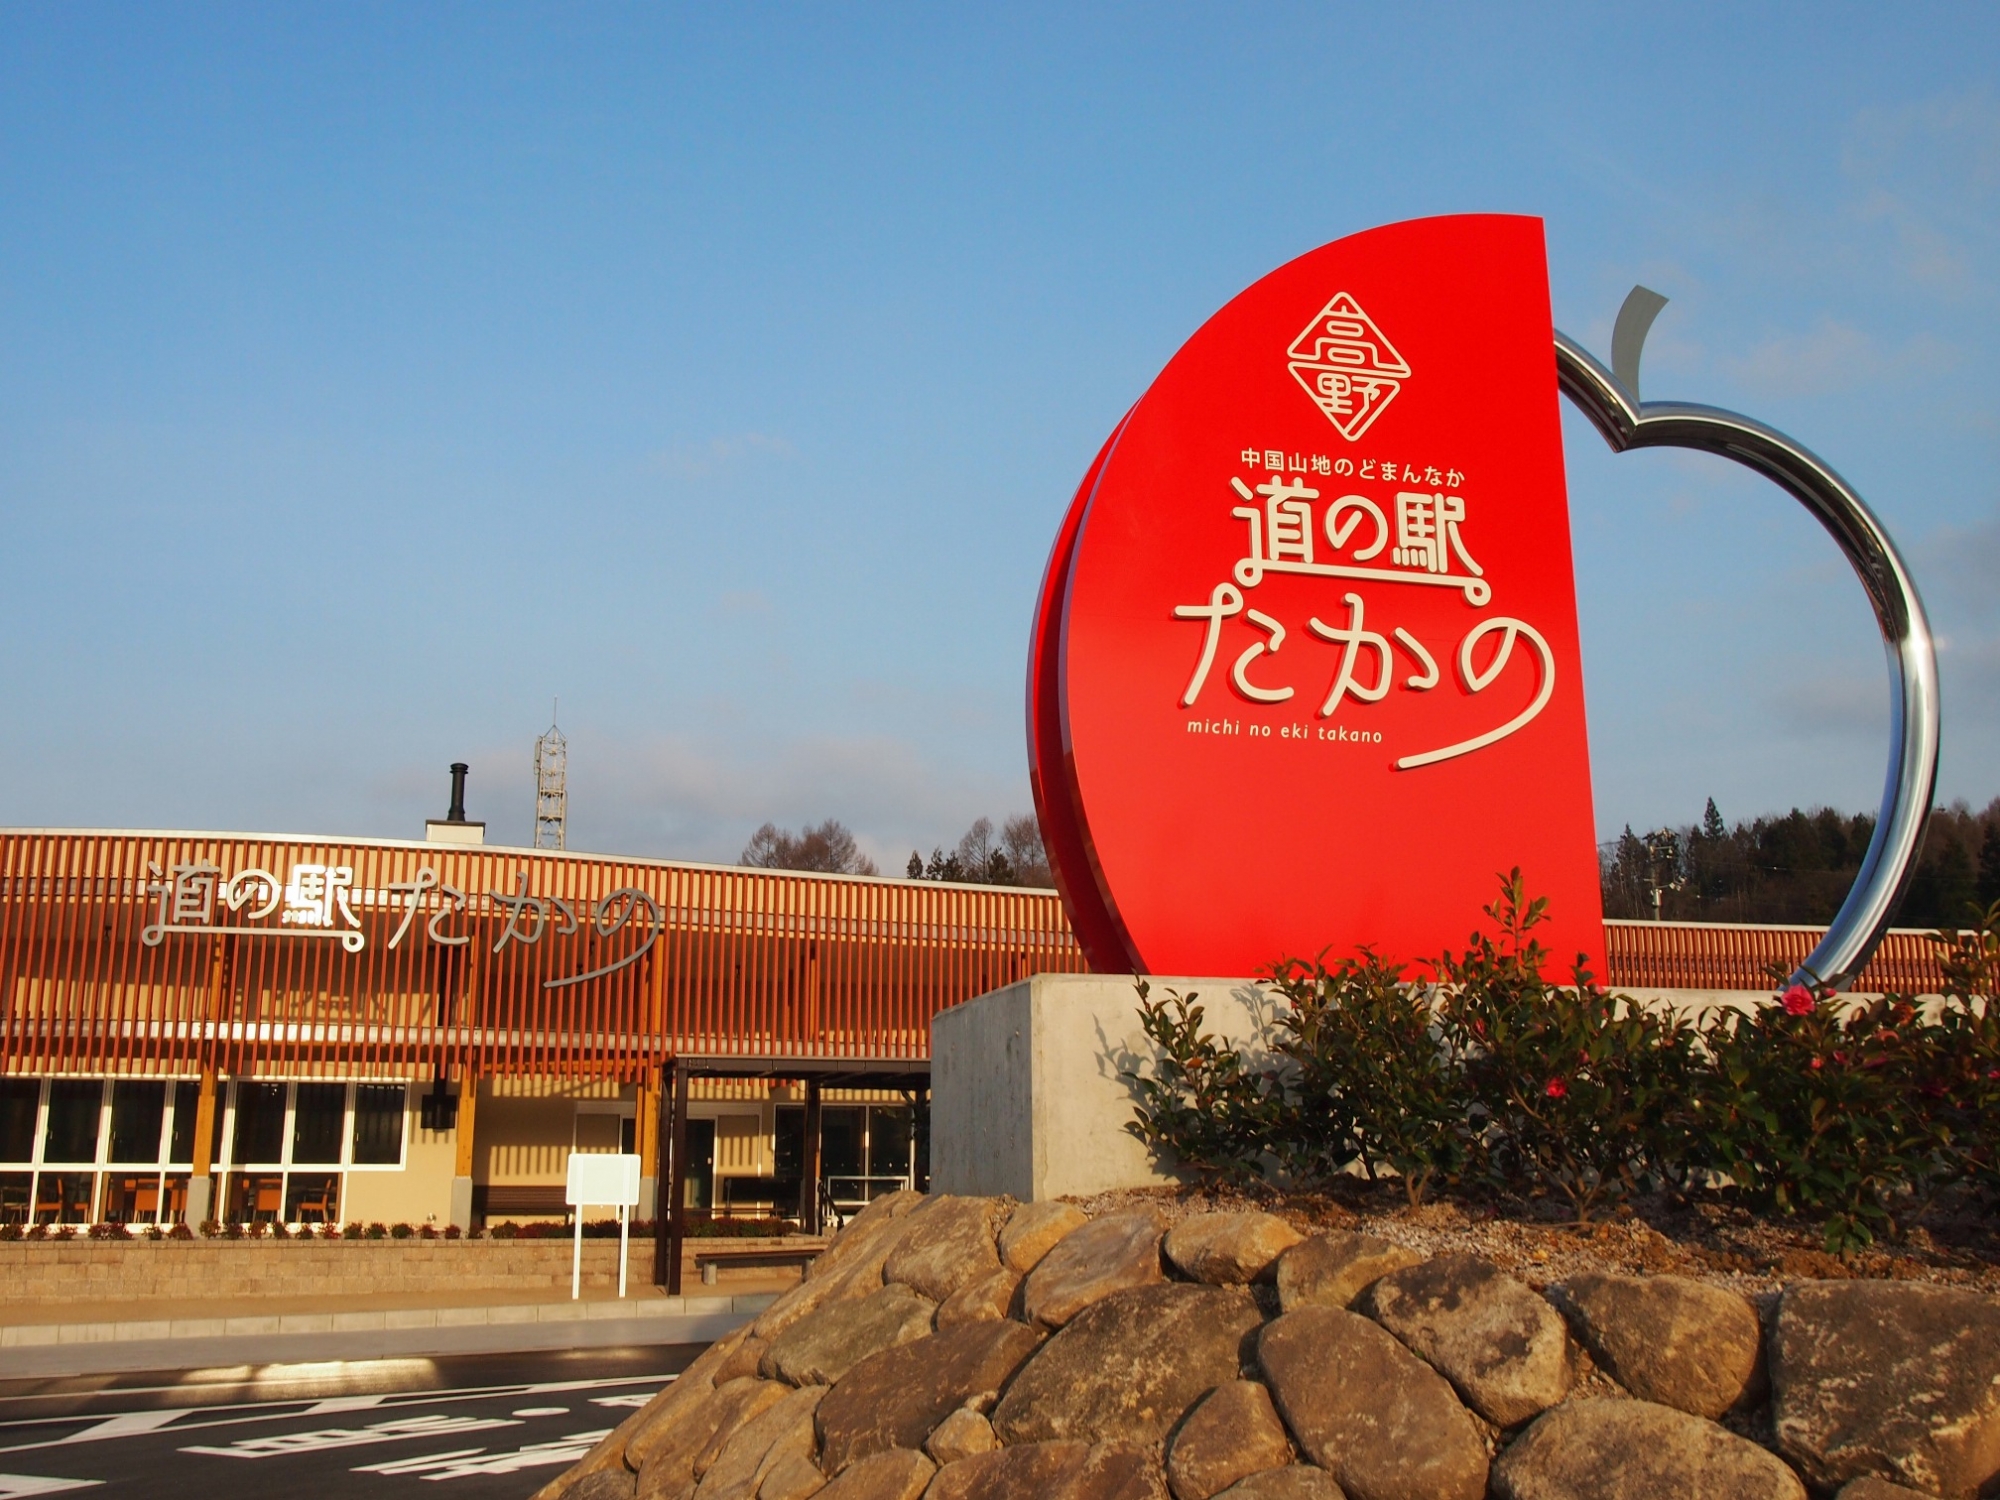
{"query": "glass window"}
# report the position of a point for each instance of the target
(64, 1197)
(137, 1109)
(74, 1104)
(790, 1157)
(789, 1147)
(260, 1124)
(187, 1104)
(131, 1197)
(19, 1099)
(840, 1143)
(313, 1197)
(14, 1196)
(889, 1142)
(318, 1113)
(254, 1197)
(378, 1123)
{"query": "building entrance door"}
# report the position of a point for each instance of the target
(698, 1175)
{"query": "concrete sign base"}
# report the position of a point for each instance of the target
(1026, 1092)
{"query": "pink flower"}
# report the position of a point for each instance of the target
(1798, 1001)
(1557, 1088)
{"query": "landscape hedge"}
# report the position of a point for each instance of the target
(1486, 1077)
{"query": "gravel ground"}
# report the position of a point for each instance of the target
(1707, 1238)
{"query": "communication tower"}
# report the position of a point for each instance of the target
(551, 787)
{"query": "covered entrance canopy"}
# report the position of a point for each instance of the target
(911, 1076)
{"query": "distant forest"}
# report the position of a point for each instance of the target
(1796, 868)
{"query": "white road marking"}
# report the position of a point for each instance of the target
(418, 1465)
(287, 1444)
(12, 1485)
(232, 1414)
(345, 1403)
(128, 1424)
(472, 1462)
(636, 1398)
(543, 1411)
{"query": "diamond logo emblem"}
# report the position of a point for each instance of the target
(1348, 368)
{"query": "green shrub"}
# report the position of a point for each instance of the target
(1809, 1108)
(1204, 1107)
(1372, 1079)
(1958, 1099)
(1574, 1091)
(1490, 1077)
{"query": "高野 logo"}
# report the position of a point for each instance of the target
(1345, 364)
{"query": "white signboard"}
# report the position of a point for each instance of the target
(600, 1180)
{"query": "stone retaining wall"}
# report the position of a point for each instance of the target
(976, 1349)
(48, 1272)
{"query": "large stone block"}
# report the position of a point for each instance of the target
(1127, 1368)
(1106, 1255)
(1668, 1339)
(1503, 1347)
(1896, 1379)
(1381, 1421)
(783, 1430)
(1235, 1432)
(1637, 1450)
(678, 1447)
(820, 1348)
(1034, 1229)
(895, 1399)
(1299, 1482)
(1022, 1471)
(1332, 1270)
(1026, 1086)
(1229, 1249)
(896, 1475)
(953, 1243)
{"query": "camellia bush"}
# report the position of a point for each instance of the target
(1490, 1078)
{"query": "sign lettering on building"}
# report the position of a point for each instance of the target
(319, 901)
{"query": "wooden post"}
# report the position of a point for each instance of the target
(663, 1137)
(809, 1219)
(464, 1145)
(468, 1110)
(676, 1171)
(198, 1201)
(201, 1204)
(646, 1134)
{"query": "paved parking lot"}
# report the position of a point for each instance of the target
(497, 1425)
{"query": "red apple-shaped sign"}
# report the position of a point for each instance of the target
(1306, 670)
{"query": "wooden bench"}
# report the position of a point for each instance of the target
(707, 1262)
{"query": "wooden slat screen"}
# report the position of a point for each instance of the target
(755, 963)
(749, 963)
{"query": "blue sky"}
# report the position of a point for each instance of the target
(372, 375)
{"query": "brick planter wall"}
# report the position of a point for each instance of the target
(57, 1271)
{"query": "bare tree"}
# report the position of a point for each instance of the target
(1015, 857)
(1022, 841)
(830, 848)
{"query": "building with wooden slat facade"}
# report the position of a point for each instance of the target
(332, 1030)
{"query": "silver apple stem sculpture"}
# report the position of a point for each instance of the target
(1610, 398)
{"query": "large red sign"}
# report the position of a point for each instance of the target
(1305, 671)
